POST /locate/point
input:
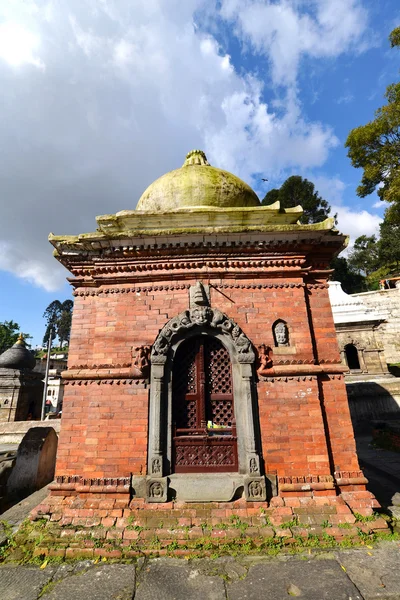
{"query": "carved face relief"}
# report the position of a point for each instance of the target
(255, 489)
(281, 334)
(201, 315)
(155, 490)
(235, 331)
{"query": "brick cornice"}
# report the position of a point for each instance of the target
(327, 368)
(84, 290)
(94, 485)
(109, 381)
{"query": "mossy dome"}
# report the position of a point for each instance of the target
(17, 357)
(197, 184)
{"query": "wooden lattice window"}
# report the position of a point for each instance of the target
(204, 437)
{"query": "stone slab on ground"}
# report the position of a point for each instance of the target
(23, 583)
(104, 582)
(375, 572)
(307, 579)
(172, 579)
(91, 582)
(356, 574)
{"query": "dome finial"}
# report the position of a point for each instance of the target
(20, 341)
(196, 157)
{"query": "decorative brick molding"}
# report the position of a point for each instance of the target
(279, 370)
(93, 485)
(95, 291)
(306, 483)
(92, 380)
(291, 378)
(95, 367)
(260, 286)
(317, 286)
(243, 264)
(344, 478)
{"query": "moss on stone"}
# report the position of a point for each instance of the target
(197, 185)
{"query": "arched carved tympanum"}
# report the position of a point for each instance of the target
(202, 316)
(202, 320)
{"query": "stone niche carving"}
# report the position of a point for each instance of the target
(281, 333)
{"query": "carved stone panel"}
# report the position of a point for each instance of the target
(255, 489)
(157, 490)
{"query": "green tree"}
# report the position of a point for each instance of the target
(58, 317)
(364, 257)
(296, 190)
(352, 282)
(9, 332)
(389, 244)
(271, 197)
(375, 147)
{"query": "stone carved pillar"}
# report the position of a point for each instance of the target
(155, 459)
(252, 462)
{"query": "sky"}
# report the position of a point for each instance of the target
(98, 98)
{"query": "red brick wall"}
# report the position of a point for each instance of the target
(104, 425)
(104, 430)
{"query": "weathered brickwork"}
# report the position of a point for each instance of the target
(203, 364)
(303, 417)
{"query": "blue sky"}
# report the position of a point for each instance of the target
(99, 98)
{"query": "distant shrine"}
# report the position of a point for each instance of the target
(203, 361)
(21, 388)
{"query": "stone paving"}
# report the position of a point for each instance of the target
(360, 574)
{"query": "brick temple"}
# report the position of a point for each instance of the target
(203, 366)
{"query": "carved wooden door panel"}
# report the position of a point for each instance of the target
(204, 434)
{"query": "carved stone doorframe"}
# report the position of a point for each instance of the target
(203, 320)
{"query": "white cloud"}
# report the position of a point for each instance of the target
(351, 221)
(355, 223)
(14, 260)
(330, 188)
(287, 30)
(381, 204)
(18, 45)
(345, 99)
(128, 88)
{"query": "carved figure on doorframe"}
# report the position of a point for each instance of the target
(141, 358)
(265, 359)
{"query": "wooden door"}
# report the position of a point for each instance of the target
(204, 430)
